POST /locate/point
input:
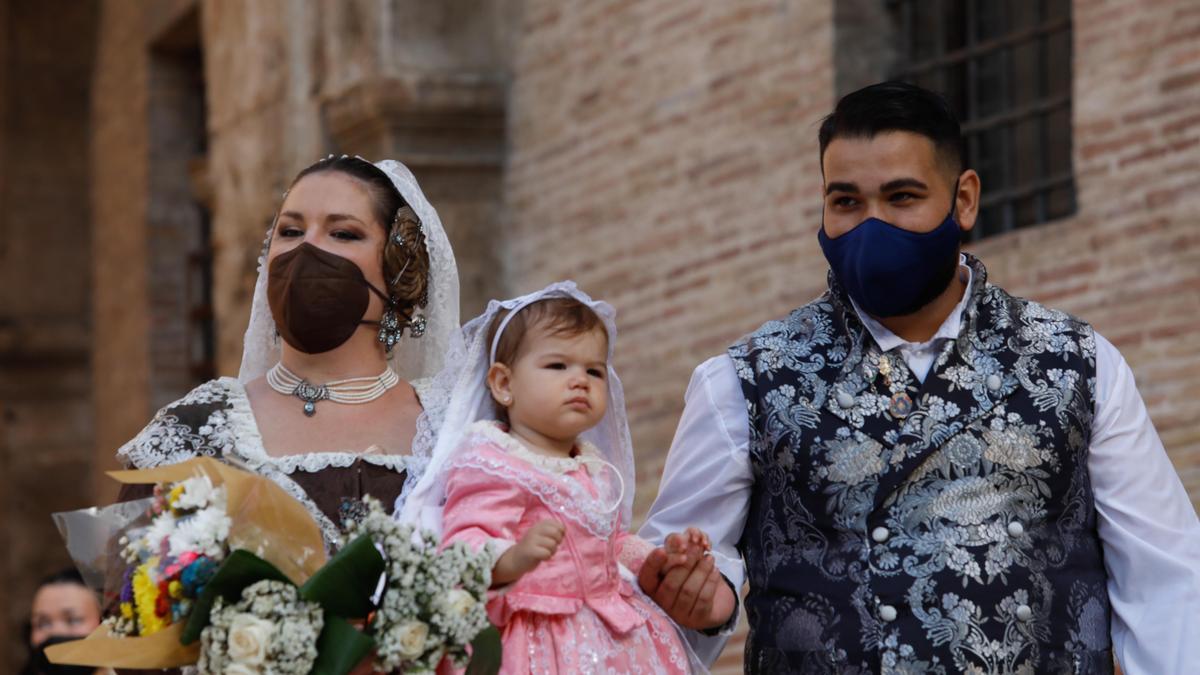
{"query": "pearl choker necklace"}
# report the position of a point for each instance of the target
(351, 391)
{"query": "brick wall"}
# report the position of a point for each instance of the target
(1129, 260)
(664, 155)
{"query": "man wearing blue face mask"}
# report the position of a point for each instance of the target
(918, 472)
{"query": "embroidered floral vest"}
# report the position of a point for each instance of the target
(944, 527)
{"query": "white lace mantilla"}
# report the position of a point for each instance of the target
(232, 434)
(545, 477)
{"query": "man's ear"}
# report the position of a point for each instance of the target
(966, 202)
(499, 381)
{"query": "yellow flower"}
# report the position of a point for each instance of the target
(127, 610)
(145, 595)
(174, 495)
(175, 589)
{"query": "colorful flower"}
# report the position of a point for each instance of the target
(145, 594)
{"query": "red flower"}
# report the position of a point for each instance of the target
(162, 604)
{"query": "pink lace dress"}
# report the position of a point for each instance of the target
(574, 613)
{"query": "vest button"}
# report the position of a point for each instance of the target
(994, 382)
(887, 613)
(880, 534)
(1015, 529)
(1024, 613)
(845, 400)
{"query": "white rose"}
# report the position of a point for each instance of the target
(240, 669)
(249, 637)
(458, 602)
(410, 637)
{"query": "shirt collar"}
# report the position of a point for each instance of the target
(949, 330)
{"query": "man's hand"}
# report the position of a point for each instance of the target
(687, 586)
(538, 545)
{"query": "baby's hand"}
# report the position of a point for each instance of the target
(538, 545)
(686, 548)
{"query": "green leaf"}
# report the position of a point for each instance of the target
(345, 584)
(239, 570)
(340, 647)
(485, 653)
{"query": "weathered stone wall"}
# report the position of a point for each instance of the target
(45, 446)
(290, 82)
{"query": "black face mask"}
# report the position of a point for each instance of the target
(38, 664)
(318, 298)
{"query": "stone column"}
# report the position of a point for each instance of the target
(450, 131)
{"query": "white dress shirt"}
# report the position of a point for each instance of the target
(1148, 528)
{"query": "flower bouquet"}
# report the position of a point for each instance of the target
(224, 570)
(171, 560)
(432, 604)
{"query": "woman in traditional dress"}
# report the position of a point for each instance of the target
(356, 301)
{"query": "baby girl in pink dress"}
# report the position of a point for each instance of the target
(554, 507)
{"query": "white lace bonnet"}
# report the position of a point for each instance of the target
(465, 377)
(411, 358)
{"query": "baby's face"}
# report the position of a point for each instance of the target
(559, 383)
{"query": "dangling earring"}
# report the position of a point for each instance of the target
(416, 326)
(390, 329)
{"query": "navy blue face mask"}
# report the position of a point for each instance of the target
(889, 271)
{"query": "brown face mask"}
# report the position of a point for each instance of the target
(317, 298)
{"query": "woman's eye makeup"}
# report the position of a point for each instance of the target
(288, 230)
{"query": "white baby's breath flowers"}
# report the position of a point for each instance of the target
(269, 630)
(433, 601)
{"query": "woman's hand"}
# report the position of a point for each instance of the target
(539, 544)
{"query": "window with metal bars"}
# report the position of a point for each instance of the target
(1005, 67)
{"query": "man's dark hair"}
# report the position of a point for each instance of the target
(897, 106)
